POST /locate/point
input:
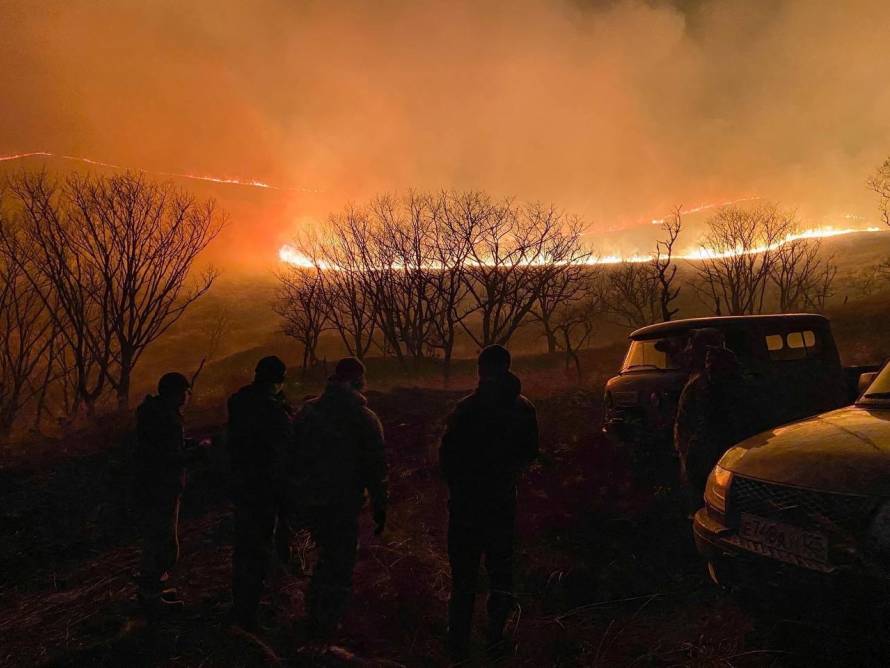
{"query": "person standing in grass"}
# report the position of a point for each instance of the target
(259, 433)
(338, 455)
(162, 454)
(490, 439)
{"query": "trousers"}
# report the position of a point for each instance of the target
(334, 530)
(160, 541)
(260, 530)
(476, 532)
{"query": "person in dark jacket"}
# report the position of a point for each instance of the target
(714, 413)
(259, 432)
(161, 458)
(338, 456)
(491, 437)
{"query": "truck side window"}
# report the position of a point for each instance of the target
(792, 346)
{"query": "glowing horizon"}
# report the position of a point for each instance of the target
(290, 255)
(251, 183)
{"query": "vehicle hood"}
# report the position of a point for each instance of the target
(847, 450)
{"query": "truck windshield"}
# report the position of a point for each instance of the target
(879, 390)
(653, 354)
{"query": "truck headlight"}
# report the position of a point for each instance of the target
(717, 488)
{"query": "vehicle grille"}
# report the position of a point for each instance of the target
(826, 511)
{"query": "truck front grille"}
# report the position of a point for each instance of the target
(827, 511)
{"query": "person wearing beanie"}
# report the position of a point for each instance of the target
(490, 438)
(338, 456)
(259, 433)
(161, 458)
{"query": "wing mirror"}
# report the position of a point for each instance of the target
(865, 381)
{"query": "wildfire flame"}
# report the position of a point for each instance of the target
(813, 233)
(251, 183)
(290, 255)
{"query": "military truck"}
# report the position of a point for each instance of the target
(790, 361)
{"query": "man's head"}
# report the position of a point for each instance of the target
(699, 342)
(350, 371)
(270, 370)
(174, 388)
(494, 361)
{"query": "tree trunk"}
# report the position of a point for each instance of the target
(446, 367)
(7, 417)
(551, 339)
(123, 386)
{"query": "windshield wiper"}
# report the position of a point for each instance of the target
(642, 366)
(878, 395)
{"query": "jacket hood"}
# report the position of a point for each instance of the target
(502, 389)
(340, 392)
(846, 450)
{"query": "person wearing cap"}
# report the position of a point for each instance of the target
(490, 438)
(259, 432)
(338, 456)
(161, 459)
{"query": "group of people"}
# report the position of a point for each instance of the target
(312, 470)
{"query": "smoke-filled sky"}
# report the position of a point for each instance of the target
(613, 110)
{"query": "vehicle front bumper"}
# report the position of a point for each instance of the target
(734, 561)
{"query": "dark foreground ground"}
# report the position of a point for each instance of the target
(607, 574)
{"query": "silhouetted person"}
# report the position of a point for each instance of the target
(339, 454)
(713, 414)
(259, 432)
(491, 437)
(161, 458)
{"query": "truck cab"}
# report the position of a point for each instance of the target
(790, 360)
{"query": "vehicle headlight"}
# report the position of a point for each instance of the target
(717, 488)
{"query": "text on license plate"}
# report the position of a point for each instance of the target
(784, 537)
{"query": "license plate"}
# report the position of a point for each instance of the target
(784, 538)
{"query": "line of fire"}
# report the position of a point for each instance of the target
(444, 334)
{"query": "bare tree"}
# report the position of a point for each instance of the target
(630, 294)
(350, 301)
(879, 182)
(67, 285)
(515, 253)
(403, 253)
(663, 266)
(453, 213)
(26, 336)
(111, 257)
(564, 284)
(214, 329)
(417, 269)
(802, 277)
(870, 279)
(301, 304)
(740, 253)
(576, 323)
